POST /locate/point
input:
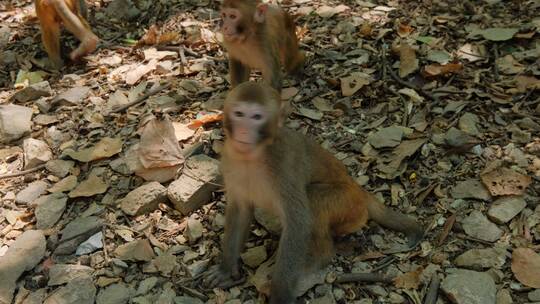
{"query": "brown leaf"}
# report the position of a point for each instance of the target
(206, 119)
(409, 280)
(404, 30)
(526, 266)
(159, 147)
(505, 181)
(441, 69)
(353, 83)
(408, 60)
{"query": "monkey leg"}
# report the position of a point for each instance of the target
(78, 27)
(238, 72)
(238, 218)
(50, 34)
(272, 71)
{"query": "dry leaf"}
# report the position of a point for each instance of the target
(525, 83)
(409, 280)
(106, 147)
(441, 69)
(159, 147)
(353, 83)
(505, 181)
(408, 60)
(404, 30)
(206, 119)
(288, 93)
(526, 266)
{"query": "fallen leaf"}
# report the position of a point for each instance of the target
(408, 61)
(433, 70)
(526, 266)
(509, 66)
(205, 119)
(351, 84)
(409, 280)
(404, 30)
(89, 187)
(472, 52)
(499, 34)
(106, 147)
(288, 93)
(525, 83)
(505, 181)
(326, 11)
(159, 147)
(310, 113)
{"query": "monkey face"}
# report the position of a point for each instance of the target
(247, 125)
(233, 24)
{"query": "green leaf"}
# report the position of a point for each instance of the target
(499, 33)
(425, 39)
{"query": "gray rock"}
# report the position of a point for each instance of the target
(49, 209)
(471, 188)
(269, 221)
(36, 297)
(36, 152)
(386, 137)
(504, 297)
(64, 273)
(456, 138)
(60, 168)
(33, 92)
(144, 199)
(505, 208)
(477, 225)
(31, 192)
(187, 300)
(114, 294)
(534, 295)
(194, 229)
(44, 120)
(469, 287)
(254, 256)
(468, 123)
(146, 285)
(484, 258)
(76, 232)
(71, 97)
(15, 122)
(81, 290)
(138, 250)
(195, 186)
(23, 255)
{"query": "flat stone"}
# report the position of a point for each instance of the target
(506, 208)
(504, 297)
(471, 188)
(64, 273)
(478, 226)
(31, 192)
(269, 221)
(76, 232)
(114, 294)
(187, 300)
(89, 187)
(15, 122)
(60, 168)
(36, 297)
(469, 287)
(456, 138)
(33, 92)
(64, 185)
(468, 123)
(386, 137)
(71, 97)
(24, 254)
(144, 199)
(194, 188)
(49, 209)
(138, 250)
(483, 258)
(534, 295)
(254, 256)
(44, 120)
(36, 152)
(80, 290)
(194, 230)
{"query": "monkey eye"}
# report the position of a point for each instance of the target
(257, 116)
(232, 16)
(238, 114)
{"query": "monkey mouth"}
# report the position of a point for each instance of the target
(242, 146)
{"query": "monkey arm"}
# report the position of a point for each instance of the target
(293, 249)
(238, 218)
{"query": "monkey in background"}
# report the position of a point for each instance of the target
(71, 13)
(261, 36)
(269, 166)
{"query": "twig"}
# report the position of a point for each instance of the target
(141, 98)
(363, 277)
(495, 68)
(385, 262)
(433, 291)
(447, 227)
(15, 174)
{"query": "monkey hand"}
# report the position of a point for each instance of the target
(220, 276)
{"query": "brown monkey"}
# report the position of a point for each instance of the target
(266, 165)
(52, 14)
(261, 36)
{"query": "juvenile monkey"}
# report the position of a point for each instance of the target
(261, 36)
(52, 14)
(268, 166)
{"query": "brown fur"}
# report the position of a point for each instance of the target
(265, 46)
(71, 13)
(304, 185)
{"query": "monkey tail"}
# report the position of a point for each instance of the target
(394, 220)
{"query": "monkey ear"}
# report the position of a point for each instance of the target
(260, 12)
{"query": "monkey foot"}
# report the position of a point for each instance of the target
(217, 277)
(88, 45)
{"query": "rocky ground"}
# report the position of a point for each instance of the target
(109, 180)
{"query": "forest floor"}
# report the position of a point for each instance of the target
(434, 106)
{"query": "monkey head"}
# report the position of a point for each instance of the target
(253, 114)
(239, 18)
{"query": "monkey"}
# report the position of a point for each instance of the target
(71, 13)
(266, 165)
(261, 36)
